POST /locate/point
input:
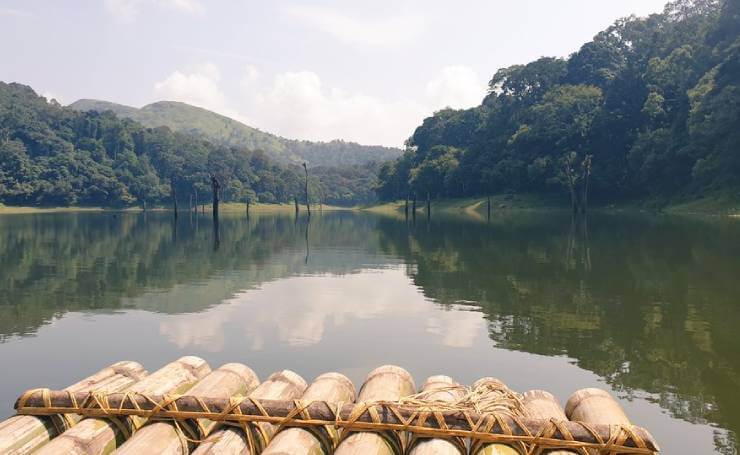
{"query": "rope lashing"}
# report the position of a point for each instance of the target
(408, 416)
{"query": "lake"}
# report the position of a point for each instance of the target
(645, 306)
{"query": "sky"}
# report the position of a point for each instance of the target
(364, 71)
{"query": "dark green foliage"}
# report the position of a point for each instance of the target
(655, 101)
(218, 129)
(50, 155)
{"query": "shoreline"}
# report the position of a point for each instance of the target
(476, 206)
(230, 207)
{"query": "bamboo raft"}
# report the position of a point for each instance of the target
(185, 407)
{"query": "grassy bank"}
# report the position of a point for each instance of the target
(714, 205)
(476, 206)
(9, 210)
(230, 207)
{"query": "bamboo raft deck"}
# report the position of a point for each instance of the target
(185, 407)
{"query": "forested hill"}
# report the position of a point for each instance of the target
(219, 129)
(52, 155)
(655, 103)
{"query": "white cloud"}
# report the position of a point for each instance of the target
(124, 10)
(397, 29)
(185, 6)
(50, 96)
(128, 10)
(298, 105)
(13, 12)
(199, 87)
(303, 319)
(458, 87)
(251, 77)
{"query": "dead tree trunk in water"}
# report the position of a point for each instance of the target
(413, 208)
(195, 198)
(406, 207)
(308, 205)
(144, 208)
(576, 181)
(215, 186)
(429, 206)
(586, 166)
(295, 199)
(571, 179)
(190, 206)
(174, 194)
(488, 208)
(247, 208)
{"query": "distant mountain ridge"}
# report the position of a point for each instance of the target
(220, 129)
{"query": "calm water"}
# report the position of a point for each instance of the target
(647, 307)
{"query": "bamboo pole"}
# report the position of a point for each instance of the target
(456, 423)
(439, 388)
(164, 438)
(283, 385)
(540, 404)
(24, 434)
(494, 448)
(331, 388)
(595, 406)
(385, 383)
(102, 436)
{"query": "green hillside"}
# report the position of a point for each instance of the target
(56, 156)
(223, 130)
(647, 111)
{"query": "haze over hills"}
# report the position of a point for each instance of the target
(220, 129)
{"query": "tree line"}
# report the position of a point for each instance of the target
(648, 110)
(51, 155)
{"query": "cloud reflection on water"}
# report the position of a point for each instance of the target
(298, 311)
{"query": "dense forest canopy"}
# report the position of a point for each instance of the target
(51, 155)
(651, 106)
(184, 118)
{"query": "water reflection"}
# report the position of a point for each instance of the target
(648, 304)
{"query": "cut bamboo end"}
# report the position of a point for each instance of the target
(23, 434)
(540, 404)
(438, 388)
(100, 436)
(441, 388)
(165, 439)
(115, 377)
(126, 398)
(329, 387)
(283, 385)
(594, 405)
(488, 387)
(385, 383)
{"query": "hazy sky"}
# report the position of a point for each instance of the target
(367, 71)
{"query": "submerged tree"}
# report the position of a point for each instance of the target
(576, 177)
